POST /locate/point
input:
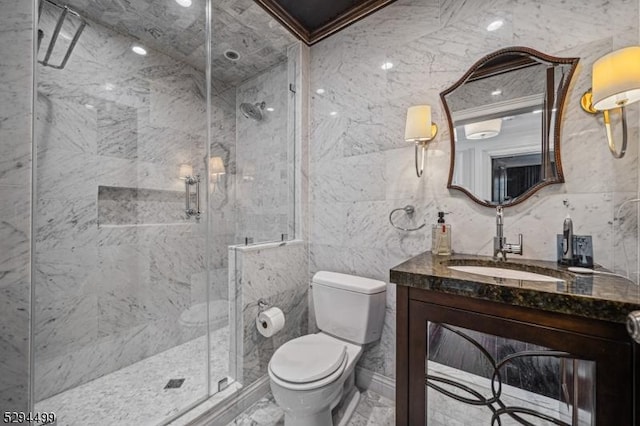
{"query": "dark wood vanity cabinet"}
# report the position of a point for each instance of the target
(604, 342)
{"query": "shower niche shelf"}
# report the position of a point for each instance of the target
(122, 206)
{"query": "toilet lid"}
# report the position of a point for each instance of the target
(307, 359)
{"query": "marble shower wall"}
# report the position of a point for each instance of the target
(16, 93)
(117, 263)
(276, 272)
(222, 203)
(264, 158)
(360, 167)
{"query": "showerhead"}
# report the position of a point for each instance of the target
(254, 111)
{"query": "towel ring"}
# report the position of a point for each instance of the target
(409, 210)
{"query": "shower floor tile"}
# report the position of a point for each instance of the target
(372, 409)
(136, 395)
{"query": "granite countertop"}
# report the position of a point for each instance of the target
(603, 297)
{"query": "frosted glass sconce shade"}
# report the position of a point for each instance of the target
(419, 129)
(186, 170)
(418, 126)
(615, 84)
(216, 166)
(616, 79)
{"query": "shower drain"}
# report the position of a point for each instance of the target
(174, 383)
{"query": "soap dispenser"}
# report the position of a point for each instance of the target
(441, 237)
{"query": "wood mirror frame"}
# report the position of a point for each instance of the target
(508, 60)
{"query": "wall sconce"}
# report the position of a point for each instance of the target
(216, 169)
(483, 129)
(420, 130)
(615, 84)
(186, 173)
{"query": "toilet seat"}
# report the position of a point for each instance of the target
(309, 385)
(308, 362)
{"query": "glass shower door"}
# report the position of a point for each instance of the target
(121, 269)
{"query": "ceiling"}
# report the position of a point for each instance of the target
(314, 20)
(179, 32)
(259, 31)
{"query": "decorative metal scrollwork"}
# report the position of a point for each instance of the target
(494, 403)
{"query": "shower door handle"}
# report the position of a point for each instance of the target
(188, 182)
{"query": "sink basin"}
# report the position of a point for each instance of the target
(512, 274)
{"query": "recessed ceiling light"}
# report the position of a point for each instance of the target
(320, 91)
(184, 3)
(495, 25)
(270, 109)
(387, 66)
(333, 113)
(496, 92)
(139, 50)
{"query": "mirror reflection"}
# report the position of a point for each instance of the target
(504, 118)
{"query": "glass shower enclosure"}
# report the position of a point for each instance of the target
(163, 133)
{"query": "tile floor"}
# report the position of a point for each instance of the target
(136, 395)
(372, 409)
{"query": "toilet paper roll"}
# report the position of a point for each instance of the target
(270, 321)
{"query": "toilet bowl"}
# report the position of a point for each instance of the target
(312, 374)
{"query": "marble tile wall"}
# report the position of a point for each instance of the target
(264, 158)
(360, 167)
(276, 272)
(16, 93)
(111, 288)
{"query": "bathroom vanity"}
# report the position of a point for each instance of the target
(578, 320)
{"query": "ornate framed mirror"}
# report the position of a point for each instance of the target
(504, 118)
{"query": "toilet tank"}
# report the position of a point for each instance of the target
(349, 307)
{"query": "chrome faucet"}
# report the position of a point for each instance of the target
(500, 245)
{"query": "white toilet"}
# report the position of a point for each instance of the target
(310, 375)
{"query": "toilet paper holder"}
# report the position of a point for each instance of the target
(263, 304)
(270, 320)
